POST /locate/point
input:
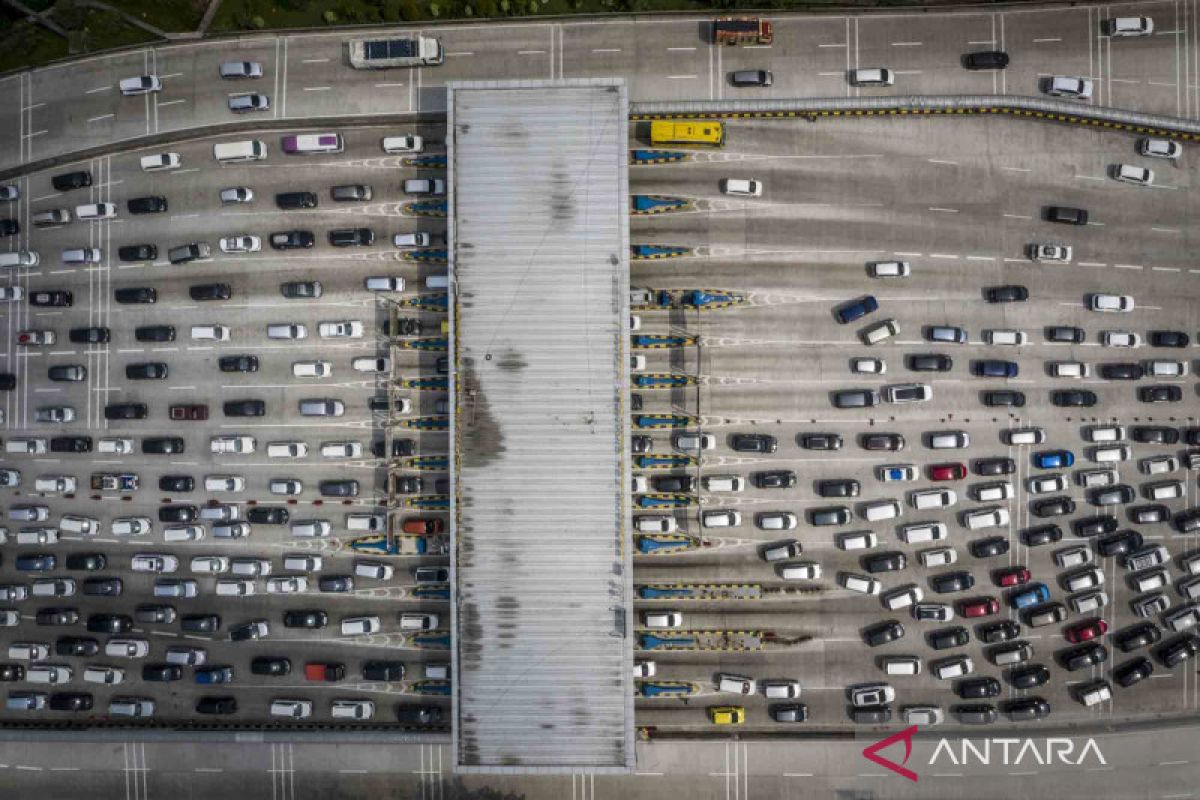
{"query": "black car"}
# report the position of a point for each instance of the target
(1026, 708)
(1187, 521)
(9, 227)
(136, 294)
(839, 487)
(244, 408)
(238, 363)
(1065, 333)
(1154, 434)
(885, 562)
(89, 335)
(210, 291)
(947, 582)
(292, 240)
(639, 444)
(116, 411)
(200, 623)
(977, 688)
(351, 237)
(774, 479)
(821, 441)
(11, 672)
(178, 513)
(70, 701)
(293, 200)
(71, 444)
(300, 290)
(946, 638)
(1088, 655)
(1004, 398)
(989, 547)
(146, 371)
(137, 252)
(1141, 634)
(1006, 294)
(1117, 494)
(673, 484)
(154, 614)
(1192, 436)
(408, 714)
(268, 665)
(155, 333)
(1066, 215)
(87, 562)
(1151, 514)
(76, 646)
(338, 488)
(109, 623)
(69, 373)
(51, 298)
(176, 483)
(430, 575)
(335, 583)
(1133, 671)
(267, 515)
(402, 448)
(71, 180)
(1159, 394)
(986, 59)
(999, 631)
(56, 616)
(312, 618)
(1053, 507)
(36, 562)
(1040, 535)
(1121, 371)
(994, 466)
(102, 587)
(1027, 676)
(147, 205)
(929, 362)
(1175, 652)
(216, 705)
(384, 671)
(754, 443)
(881, 441)
(162, 445)
(883, 633)
(1169, 339)
(1073, 398)
(1087, 527)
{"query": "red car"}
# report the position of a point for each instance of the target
(422, 525)
(948, 472)
(1012, 576)
(1086, 630)
(324, 672)
(192, 412)
(978, 606)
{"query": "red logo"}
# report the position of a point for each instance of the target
(872, 753)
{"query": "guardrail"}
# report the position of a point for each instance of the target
(919, 105)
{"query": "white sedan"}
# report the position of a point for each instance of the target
(372, 364)
(341, 450)
(287, 585)
(350, 329)
(654, 524)
(210, 565)
(244, 243)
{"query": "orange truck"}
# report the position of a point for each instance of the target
(742, 30)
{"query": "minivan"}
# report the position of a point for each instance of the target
(232, 152)
(900, 665)
(751, 77)
(287, 331)
(20, 258)
(82, 255)
(933, 498)
(189, 252)
(1005, 336)
(881, 510)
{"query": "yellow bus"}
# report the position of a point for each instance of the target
(705, 133)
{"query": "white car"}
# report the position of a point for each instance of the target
(341, 450)
(312, 369)
(1165, 369)
(858, 583)
(224, 483)
(186, 533)
(871, 694)
(662, 619)
(890, 269)
(1068, 86)
(1047, 484)
(54, 484)
(903, 597)
(1070, 369)
(174, 587)
(1120, 339)
(868, 366)
(154, 562)
(11, 293)
(292, 709)
(1111, 302)
(131, 526)
(127, 648)
(1054, 253)
(142, 84)
(1128, 26)
(285, 486)
(872, 76)
(374, 570)
(1076, 556)
(1160, 148)
(408, 143)
(372, 364)
(161, 161)
(857, 540)
(644, 669)
(236, 194)
(740, 186)
(253, 567)
(695, 441)
(287, 585)
(287, 450)
(938, 557)
(361, 626)
(1083, 579)
(105, 675)
(953, 667)
(1131, 173)
(236, 588)
(798, 571)
(120, 447)
(220, 445)
(351, 329)
(210, 565)
(654, 524)
(311, 529)
(244, 243)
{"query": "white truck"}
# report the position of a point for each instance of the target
(414, 51)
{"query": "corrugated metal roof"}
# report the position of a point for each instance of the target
(542, 577)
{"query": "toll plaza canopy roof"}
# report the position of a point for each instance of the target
(539, 245)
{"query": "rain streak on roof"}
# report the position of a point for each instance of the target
(539, 246)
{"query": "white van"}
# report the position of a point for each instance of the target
(1159, 465)
(901, 665)
(881, 510)
(721, 518)
(161, 161)
(210, 333)
(1106, 433)
(857, 540)
(287, 330)
(919, 532)
(87, 526)
(312, 143)
(183, 533)
(352, 709)
(723, 483)
(880, 332)
(20, 258)
(1166, 369)
(985, 518)
(409, 143)
(51, 673)
(28, 651)
(37, 536)
(96, 211)
(437, 282)
(366, 522)
(874, 76)
(858, 583)
(131, 707)
(1108, 454)
(235, 588)
(287, 450)
(991, 492)
(933, 498)
(1005, 336)
(384, 283)
(82, 255)
(232, 152)
(1168, 490)
(293, 709)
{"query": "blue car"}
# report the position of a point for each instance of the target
(1053, 459)
(214, 675)
(854, 310)
(1031, 595)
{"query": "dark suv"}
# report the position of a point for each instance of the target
(238, 363)
(1065, 333)
(71, 180)
(292, 240)
(138, 294)
(351, 237)
(754, 443)
(137, 252)
(211, 291)
(929, 362)
(148, 371)
(155, 333)
(162, 445)
(244, 408)
(775, 479)
(115, 411)
(293, 200)
(89, 335)
(147, 205)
